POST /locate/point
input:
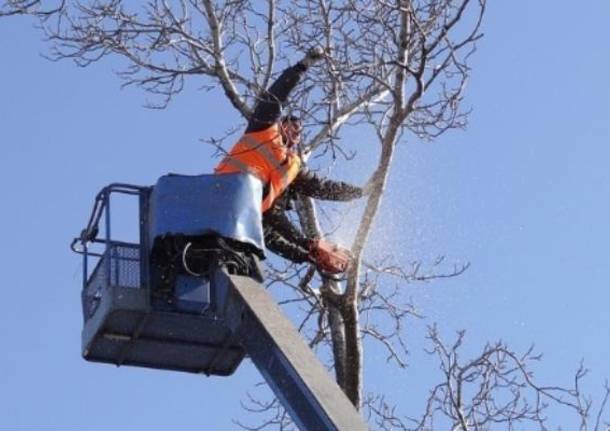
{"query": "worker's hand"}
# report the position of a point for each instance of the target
(313, 55)
(329, 258)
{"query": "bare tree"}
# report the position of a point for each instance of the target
(393, 67)
(396, 69)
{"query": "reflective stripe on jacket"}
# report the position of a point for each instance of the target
(263, 154)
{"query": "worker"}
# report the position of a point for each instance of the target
(268, 150)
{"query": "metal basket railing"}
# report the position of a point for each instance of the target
(119, 266)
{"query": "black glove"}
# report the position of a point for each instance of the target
(313, 55)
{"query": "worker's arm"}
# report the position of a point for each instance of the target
(309, 184)
(284, 248)
(268, 109)
(278, 244)
(276, 218)
(282, 237)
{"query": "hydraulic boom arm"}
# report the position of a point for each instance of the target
(298, 379)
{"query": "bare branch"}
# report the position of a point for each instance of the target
(30, 7)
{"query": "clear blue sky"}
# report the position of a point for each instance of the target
(523, 194)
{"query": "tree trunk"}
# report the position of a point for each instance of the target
(330, 289)
(337, 335)
(353, 354)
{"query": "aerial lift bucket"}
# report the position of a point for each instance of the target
(131, 317)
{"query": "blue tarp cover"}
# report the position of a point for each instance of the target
(228, 205)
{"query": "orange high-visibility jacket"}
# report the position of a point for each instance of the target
(263, 154)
